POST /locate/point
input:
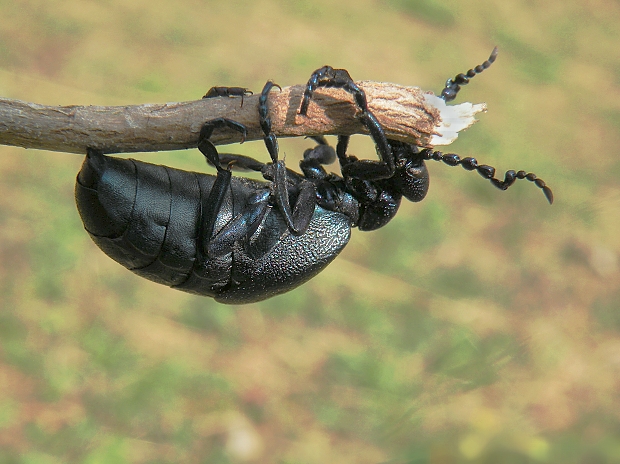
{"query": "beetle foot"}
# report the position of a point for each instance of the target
(365, 170)
(330, 77)
(228, 92)
(205, 145)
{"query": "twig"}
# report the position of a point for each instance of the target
(406, 113)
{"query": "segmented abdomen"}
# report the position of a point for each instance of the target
(149, 219)
(144, 216)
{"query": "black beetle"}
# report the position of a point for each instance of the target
(240, 240)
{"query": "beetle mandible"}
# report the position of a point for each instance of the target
(240, 240)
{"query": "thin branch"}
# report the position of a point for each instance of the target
(406, 113)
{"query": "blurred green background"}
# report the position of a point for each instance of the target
(478, 326)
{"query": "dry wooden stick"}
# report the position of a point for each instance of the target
(406, 113)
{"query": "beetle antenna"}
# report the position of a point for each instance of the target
(454, 85)
(488, 172)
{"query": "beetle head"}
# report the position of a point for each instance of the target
(411, 176)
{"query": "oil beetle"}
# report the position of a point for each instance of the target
(240, 240)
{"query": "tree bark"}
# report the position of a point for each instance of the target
(404, 113)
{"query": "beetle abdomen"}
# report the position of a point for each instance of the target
(291, 262)
(143, 216)
(149, 219)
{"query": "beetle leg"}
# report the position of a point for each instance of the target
(330, 77)
(212, 204)
(298, 218)
(323, 153)
(453, 85)
(238, 162)
(362, 169)
(362, 189)
(314, 159)
(368, 169)
(244, 224)
(240, 227)
(206, 146)
(228, 92)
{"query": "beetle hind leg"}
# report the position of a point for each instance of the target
(205, 145)
(228, 92)
(238, 162)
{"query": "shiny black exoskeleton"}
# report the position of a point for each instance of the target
(218, 236)
(240, 240)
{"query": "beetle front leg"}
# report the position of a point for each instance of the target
(330, 77)
(297, 218)
(360, 169)
(368, 169)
